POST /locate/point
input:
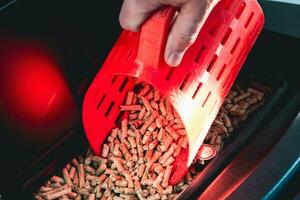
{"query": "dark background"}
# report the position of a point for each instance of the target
(80, 34)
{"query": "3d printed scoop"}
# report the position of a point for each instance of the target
(196, 88)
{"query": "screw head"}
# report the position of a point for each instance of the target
(206, 152)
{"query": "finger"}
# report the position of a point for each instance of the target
(134, 12)
(185, 29)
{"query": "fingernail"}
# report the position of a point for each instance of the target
(175, 58)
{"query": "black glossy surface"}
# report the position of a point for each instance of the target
(275, 171)
(250, 157)
(277, 54)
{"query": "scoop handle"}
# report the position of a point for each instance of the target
(153, 35)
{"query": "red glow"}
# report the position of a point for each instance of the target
(34, 95)
(34, 84)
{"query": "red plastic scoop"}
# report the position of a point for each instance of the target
(196, 88)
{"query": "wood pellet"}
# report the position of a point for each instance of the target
(137, 157)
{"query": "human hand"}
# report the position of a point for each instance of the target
(191, 17)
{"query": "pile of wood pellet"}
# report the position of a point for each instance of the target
(240, 102)
(137, 158)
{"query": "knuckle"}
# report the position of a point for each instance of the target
(126, 18)
(126, 23)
